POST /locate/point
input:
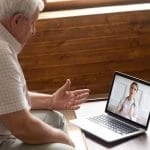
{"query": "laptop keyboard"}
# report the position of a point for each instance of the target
(113, 124)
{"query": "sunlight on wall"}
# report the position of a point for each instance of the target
(96, 10)
(49, 1)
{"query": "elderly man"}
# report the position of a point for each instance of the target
(20, 128)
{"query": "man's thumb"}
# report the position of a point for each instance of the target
(67, 85)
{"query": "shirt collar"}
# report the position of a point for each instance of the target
(5, 35)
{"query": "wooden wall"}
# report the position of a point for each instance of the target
(87, 49)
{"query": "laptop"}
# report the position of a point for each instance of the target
(127, 112)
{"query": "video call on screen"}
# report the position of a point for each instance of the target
(138, 108)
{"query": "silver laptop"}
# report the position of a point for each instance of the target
(127, 111)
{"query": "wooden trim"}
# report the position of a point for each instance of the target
(74, 4)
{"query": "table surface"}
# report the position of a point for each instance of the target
(137, 143)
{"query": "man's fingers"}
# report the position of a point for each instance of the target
(77, 92)
(74, 104)
(83, 95)
(77, 97)
(75, 107)
(78, 102)
(73, 97)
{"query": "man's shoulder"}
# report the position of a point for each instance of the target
(4, 46)
(6, 57)
(3, 43)
(5, 50)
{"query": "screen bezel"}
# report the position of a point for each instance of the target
(117, 73)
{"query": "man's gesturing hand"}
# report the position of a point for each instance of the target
(63, 98)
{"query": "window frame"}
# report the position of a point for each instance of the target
(77, 4)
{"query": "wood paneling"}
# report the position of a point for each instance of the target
(87, 49)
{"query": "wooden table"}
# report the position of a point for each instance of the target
(141, 142)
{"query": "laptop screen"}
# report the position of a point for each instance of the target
(130, 98)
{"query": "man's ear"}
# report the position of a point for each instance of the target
(16, 20)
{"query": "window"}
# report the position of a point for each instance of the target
(74, 4)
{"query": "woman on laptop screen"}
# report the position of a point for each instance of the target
(126, 106)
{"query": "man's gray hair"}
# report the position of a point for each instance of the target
(9, 8)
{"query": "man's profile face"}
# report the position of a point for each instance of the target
(26, 28)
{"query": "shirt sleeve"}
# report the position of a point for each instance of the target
(12, 85)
